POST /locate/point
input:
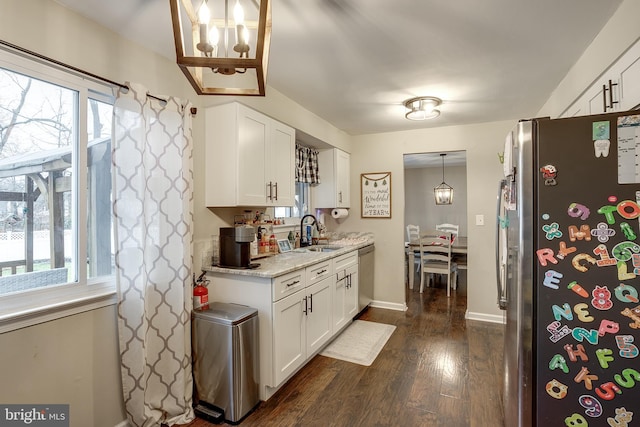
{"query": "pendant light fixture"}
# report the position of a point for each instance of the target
(443, 192)
(222, 46)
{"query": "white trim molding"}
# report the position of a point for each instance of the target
(483, 317)
(388, 305)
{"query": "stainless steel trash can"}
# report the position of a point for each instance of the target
(226, 369)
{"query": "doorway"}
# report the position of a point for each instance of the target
(422, 173)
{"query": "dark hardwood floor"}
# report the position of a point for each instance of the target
(437, 369)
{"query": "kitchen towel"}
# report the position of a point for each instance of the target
(340, 213)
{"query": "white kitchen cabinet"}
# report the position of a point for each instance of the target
(629, 70)
(296, 311)
(618, 89)
(318, 316)
(334, 188)
(345, 290)
(351, 292)
(302, 322)
(289, 335)
(249, 158)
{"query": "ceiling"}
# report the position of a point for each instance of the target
(354, 62)
(433, 160)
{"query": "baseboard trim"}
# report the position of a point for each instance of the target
(388, 305)
(482, 317)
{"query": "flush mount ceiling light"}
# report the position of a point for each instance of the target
(422, 108)
(225, 48)
(443, 192)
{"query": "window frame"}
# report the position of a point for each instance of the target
(22, 309)
(289, 209)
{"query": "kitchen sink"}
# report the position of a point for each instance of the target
(321, 248)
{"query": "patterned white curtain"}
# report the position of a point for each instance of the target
(152, 158)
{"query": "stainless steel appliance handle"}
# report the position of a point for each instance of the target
(502, 300)
(604, 97)
(276, 185)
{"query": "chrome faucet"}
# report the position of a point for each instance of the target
(303, 234)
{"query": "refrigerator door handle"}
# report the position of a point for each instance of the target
(500, 267)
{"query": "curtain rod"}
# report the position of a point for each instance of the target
(194, 110)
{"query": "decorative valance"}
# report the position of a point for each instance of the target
(307, 165)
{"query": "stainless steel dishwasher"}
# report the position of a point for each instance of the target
(366, 264)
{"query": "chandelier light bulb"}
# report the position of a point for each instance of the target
(204, 15)
(245, 35)
(238, 14)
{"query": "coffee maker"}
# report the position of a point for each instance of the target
(235, 246)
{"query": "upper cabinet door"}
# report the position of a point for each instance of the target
(281, 189)
(618, 89)
(333, 190)
(253, 131)
(249, 158)
(630, 78)
(343, 180)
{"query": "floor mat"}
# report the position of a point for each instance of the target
(360, 343)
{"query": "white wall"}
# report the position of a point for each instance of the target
(420, 206)
(384, 152)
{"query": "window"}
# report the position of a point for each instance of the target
(302, 206)
(56, 242)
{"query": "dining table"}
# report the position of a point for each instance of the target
(458, 247)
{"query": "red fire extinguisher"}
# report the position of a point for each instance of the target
(200, 293)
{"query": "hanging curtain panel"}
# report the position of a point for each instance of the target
(152, 158)
(307, 165)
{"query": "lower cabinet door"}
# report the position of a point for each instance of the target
(339, 318)
(318, 315)
(289, 340)
(351, 293)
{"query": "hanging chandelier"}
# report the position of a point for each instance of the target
(223, 48)
(443, 192)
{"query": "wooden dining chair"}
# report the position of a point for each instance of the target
(435, 258)
(459, 259)
(454, 229)
(413, 235)
(413, 232)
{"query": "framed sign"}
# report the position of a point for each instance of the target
(284, 245)
(375, 195)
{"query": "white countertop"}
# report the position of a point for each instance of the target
(280, 264)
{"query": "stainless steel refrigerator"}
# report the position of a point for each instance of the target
(568, 240)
